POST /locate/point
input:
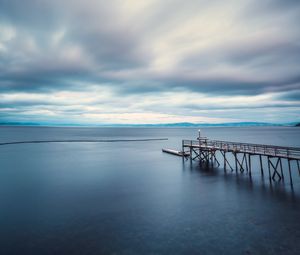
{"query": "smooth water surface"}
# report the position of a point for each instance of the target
(130, 198)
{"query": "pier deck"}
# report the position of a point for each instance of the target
(291, 153)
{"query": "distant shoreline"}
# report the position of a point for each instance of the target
(167, 125)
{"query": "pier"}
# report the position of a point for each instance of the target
(217, 153)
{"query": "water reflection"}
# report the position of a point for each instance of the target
(280, 190)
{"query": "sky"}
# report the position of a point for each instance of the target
(146, 62)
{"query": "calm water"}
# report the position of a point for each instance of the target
(130, 198)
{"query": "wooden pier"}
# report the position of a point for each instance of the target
(217, 152)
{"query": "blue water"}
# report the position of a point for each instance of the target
(130, 198)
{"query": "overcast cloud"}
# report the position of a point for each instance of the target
(151, 61)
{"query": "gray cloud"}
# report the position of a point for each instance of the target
(293, 95)
(152, 47)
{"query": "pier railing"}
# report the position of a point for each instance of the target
(258, 149)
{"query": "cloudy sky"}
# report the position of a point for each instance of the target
(150, 61)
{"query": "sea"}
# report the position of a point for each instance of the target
(129, 197)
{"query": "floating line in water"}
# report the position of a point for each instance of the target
(86, 141)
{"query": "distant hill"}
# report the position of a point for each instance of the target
(297, 125)
(231, 124)
(188, 124)
(20, 124)
(180, 124)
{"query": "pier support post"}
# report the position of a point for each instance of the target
(261, 166)
(215, 158)
(224, 155)
(289, 163)
(281, 170)
(242, 163)
(235, 157)
(249, 157)
(275, 167)
(226, 161)
(191, 151)
(269, 168)
(244, 159)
